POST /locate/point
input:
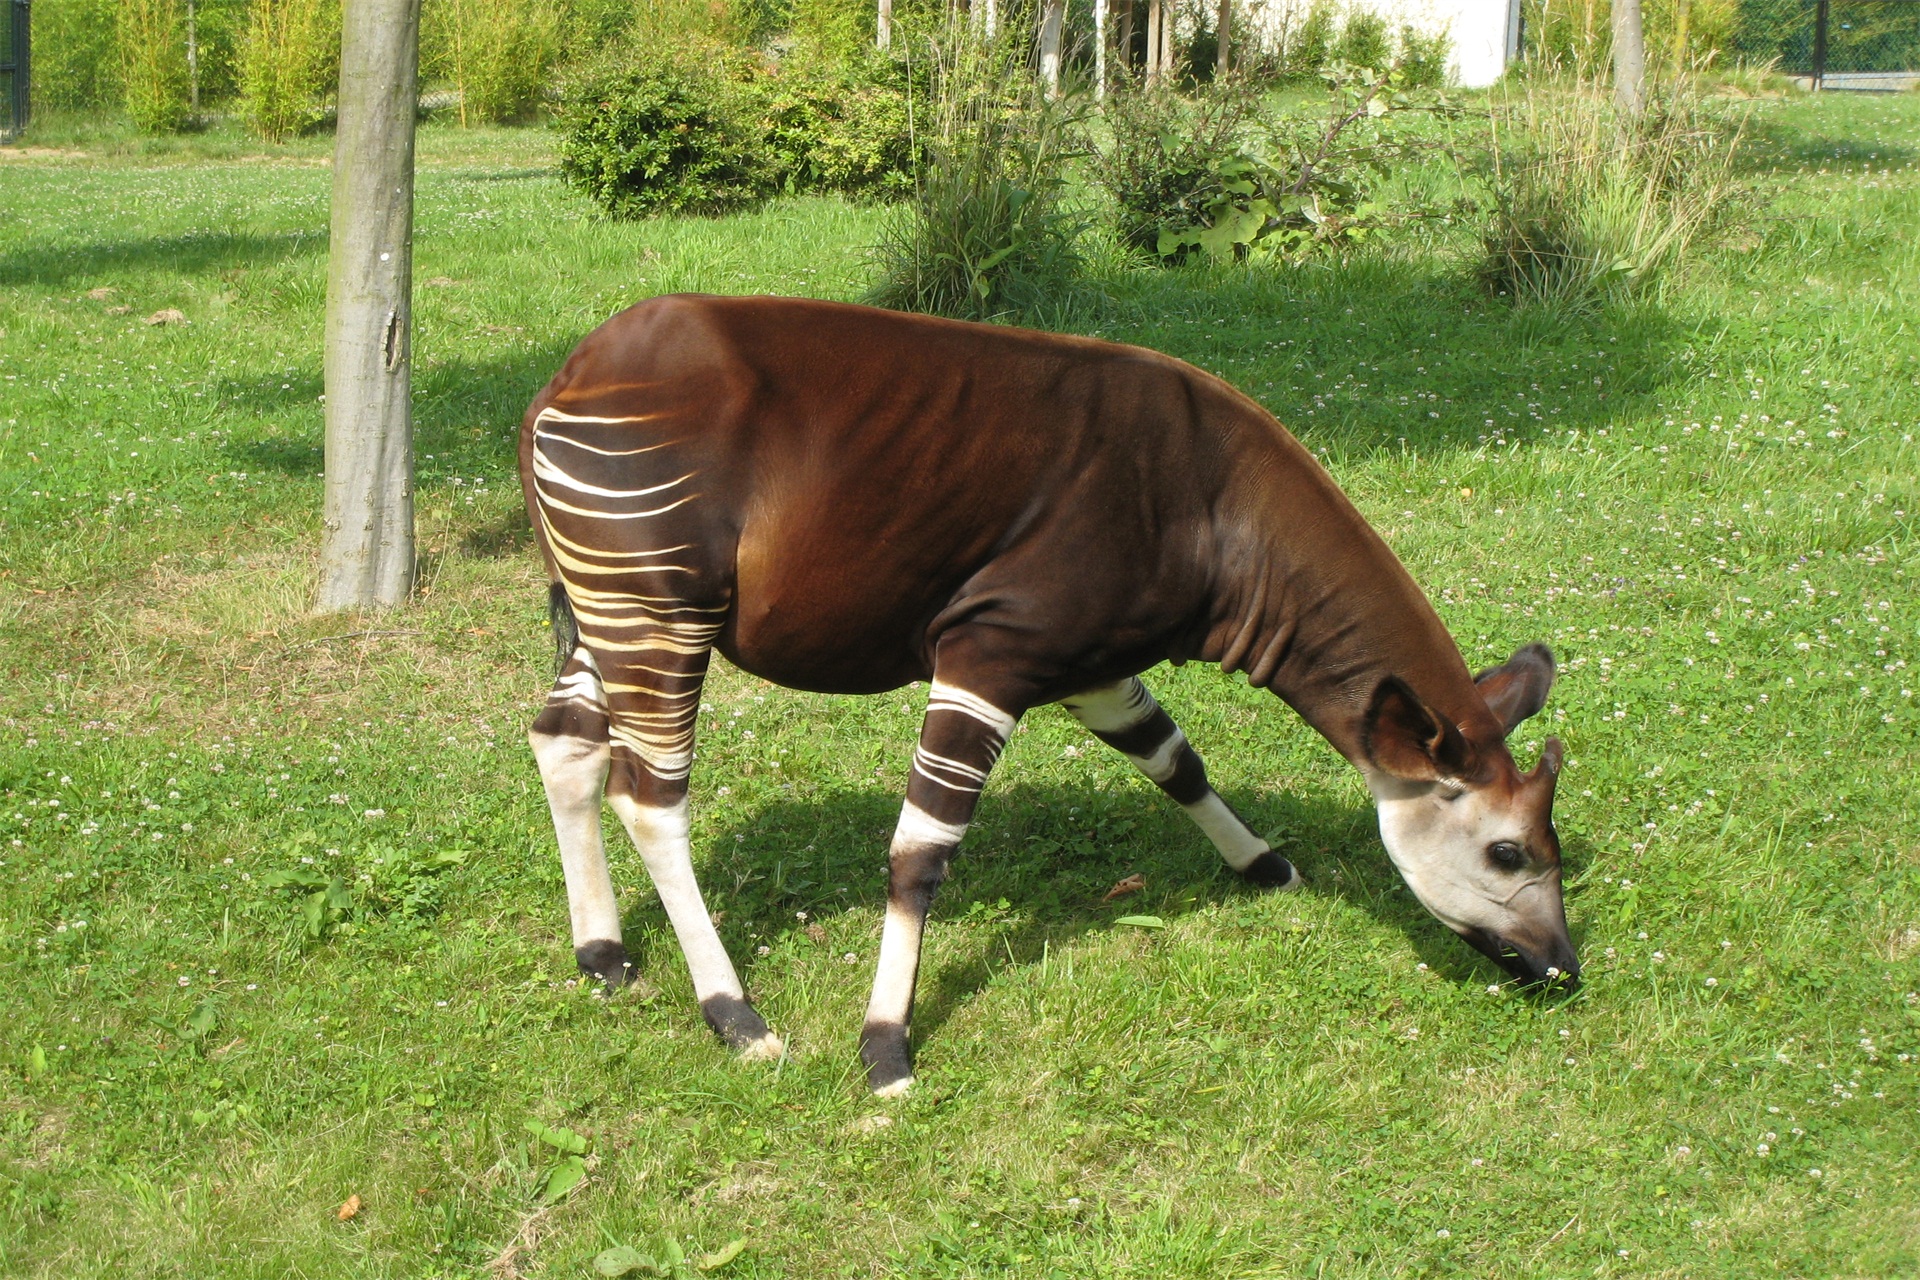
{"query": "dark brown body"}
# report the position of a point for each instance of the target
(1103, 506)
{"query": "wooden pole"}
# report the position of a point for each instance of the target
(1052, 18)
(1154, 19)
(883, 25)
(1223, 65)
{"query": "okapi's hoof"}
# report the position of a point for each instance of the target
(883, 1047)
(606, 961)
(1271, 871)
(745, 1031)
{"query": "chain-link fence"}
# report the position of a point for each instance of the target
(14, 69)
(1834, 44)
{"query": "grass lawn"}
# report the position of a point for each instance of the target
(1705, 506)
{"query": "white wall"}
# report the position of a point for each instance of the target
(1482, 32)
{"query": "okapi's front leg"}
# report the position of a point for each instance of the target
(569, 740)
(1125, 717)
(960, 739)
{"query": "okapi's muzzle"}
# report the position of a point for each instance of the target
(1548, 961)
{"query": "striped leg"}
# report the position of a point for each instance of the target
(959, 741)
(569, 740)
(1126, 717)
(653, 690)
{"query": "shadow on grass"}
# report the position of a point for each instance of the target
(1772, 144)
(189, 254)
(1032, 875)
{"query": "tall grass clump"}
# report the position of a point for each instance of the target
(1589, 203)
(151, 36)
(497, 55)
(289, 58)
(986, 234)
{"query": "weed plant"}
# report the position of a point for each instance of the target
(987, 234)
(497, 57)
(289, 58)
(1589, 202)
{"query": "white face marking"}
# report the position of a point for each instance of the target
(1438, 837)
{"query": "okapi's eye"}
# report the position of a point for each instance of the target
(1506, 855)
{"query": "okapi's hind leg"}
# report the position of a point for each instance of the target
(1125, 717)
(654, 704)
(570, 742)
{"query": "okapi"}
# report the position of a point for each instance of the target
(846, 500)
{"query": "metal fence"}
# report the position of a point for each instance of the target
(1834, 44)
(15, 69)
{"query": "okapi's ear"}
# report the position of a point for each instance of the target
(1404, 737)
(1518, 687)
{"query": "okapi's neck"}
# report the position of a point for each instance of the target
(1311, 603)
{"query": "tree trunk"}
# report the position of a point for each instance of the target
(1099, 48)
(1629, 57)
(1126, 38)
(883, 30)
(367, 557)
(1223, 65)
(1154, 20)
(1052, 17)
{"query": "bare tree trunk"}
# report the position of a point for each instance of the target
(1154, 19)
(993, 18)
(1126, 38)
(193, 60)
(1629, 57)
(367, 557)
(1099, 48)
(1223, 64)
(883, 33)
(1052, 17)
(1168, 14)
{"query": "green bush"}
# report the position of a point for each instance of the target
(1311, 47)
(289, 58)
(1363, 42)
(675, 131)
(1423, 59)
(1588, 203)
(847, 128)
(1161, 168)
(151, 35)
(1215, 177)
(986, 235)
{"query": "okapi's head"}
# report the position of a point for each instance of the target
(1472, 835)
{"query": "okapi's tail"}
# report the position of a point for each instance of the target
(566, 631)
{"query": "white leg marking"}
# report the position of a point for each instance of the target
(575, 774)
(918, 827)
(661, 836)
(1112, 708)
(1230, 836)
(946, 697)
(893, 978)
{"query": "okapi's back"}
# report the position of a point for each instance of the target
(845, 478)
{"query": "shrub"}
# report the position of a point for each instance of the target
(675, 130)
(1589, 203)
(496, 55)
(1162, 166)
(1311, 48)
(1363, 41)
(1423, 59)
(1215, 178)
(847, 128)
(986, 235)
(153, 63)
(289, 58)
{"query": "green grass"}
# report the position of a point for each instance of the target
(1706, 508)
